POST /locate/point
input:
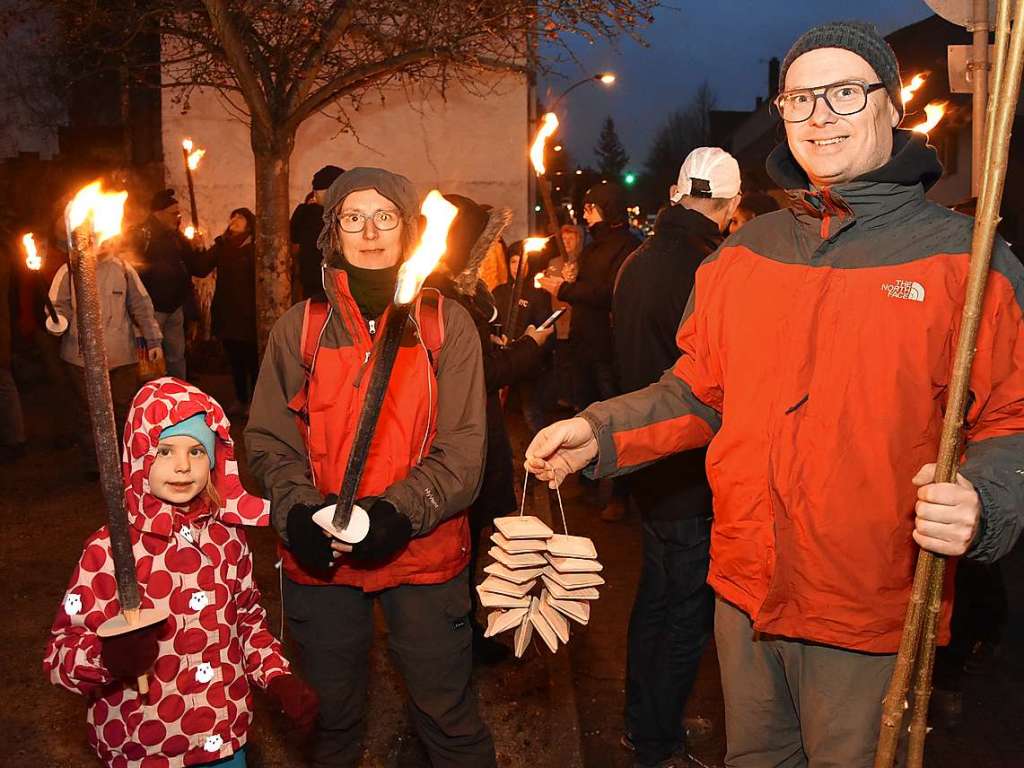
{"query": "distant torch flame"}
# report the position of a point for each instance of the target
(933, 114)
(537, 150)
(907, 92)
(193, 156)
(32, 259)
(439, 214)
(190, 231)
(534, 244)
(103, 210)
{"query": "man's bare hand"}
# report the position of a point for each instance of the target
(561, 449)
(948, 514)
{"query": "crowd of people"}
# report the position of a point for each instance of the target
(765, 387)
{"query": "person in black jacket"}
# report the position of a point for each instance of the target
(470, 237)
(167, 261)
(674, 608)
(304, 229)
(534, 309)
(233, 310)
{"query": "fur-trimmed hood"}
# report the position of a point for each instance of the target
(473, 232)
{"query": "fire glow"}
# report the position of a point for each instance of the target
(32, 258)
(193, 156)
(439, 214)
(190, 231)
(934, 112)
(102, 210)
(907, 92)
(547, 128)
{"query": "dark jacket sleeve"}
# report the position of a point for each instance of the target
(505, 366)
(448, 478)
(202, 263)
(276, 452)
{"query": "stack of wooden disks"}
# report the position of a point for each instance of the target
(538, 580)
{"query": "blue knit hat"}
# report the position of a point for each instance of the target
(195, 427)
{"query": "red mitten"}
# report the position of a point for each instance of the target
(297, 700)
(131, 655)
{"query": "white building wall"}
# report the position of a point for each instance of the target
(465, 144)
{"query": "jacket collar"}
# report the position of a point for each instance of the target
(872, 198)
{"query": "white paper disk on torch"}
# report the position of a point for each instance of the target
(119, 625)
(356, 530)
(59, 327)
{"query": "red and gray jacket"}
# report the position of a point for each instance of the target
(815, 356)
(427, 453)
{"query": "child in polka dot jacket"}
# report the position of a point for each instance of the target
(186, 506)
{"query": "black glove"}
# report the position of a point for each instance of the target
(307, 541)
(389, 532)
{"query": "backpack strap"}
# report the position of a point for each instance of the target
(314, 320)
(430, 321)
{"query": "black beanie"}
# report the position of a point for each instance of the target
(162, 199)
(323, 178)
(857, 37)
(609, 197)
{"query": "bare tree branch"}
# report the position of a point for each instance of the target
(234, 51)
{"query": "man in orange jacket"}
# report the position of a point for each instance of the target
(815, 358)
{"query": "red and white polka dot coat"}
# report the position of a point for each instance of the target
(196, 565)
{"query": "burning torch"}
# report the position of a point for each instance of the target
(530, 245)
(192, 158)
(548, 126)
(92, 217)
(344, 521)
(35, 262)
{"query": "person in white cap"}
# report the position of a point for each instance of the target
(673, 612)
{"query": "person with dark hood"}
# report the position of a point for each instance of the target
(815, 356)
(306, 224)
(233, 310)
(471, 235)
(167, 261)
(752, 205)
(422, 473)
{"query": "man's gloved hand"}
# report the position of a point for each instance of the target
(307, 541)
(296, 699)
(389, 532)
(131, 655)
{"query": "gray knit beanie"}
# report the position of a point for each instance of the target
(857, 37)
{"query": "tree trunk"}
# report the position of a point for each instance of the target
(273, 260)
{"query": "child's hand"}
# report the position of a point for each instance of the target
(297, 700)
(131, 655)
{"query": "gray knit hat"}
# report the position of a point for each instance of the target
(857, 37)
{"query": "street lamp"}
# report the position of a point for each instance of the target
(605, 78)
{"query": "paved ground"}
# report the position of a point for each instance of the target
(47, 511)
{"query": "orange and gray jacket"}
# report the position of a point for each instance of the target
(816, 352)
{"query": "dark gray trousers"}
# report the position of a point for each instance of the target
(430, 641)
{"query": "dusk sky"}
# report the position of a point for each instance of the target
(728, 43)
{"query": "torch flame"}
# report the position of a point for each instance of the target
(190, 231)
(907, 92)
(32, 259)
(534, 244)
(192, 158)
(433, 243)
(933, 114)
(537, 150)
(103, 210)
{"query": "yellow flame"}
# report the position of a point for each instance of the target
(536, 280)
(607, 78)
(190, 231)
(433, 243)
(534, 244)
(32, 258)
(537, 150)
(102, 210)
(907, 92)
(194, 157)
(186, 144)
(933, 114)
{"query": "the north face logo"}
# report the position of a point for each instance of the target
(904, 289)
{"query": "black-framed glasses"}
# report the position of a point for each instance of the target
(845, 98)
(354, 221)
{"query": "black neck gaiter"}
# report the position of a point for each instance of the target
(373, 289)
